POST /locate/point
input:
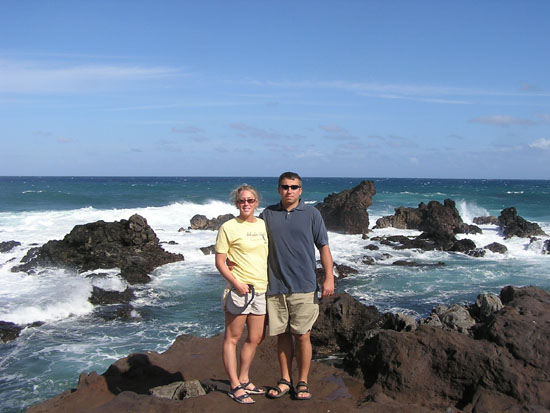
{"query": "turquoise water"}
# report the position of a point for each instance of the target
(184, 298)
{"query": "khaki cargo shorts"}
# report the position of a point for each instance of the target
(292, 312)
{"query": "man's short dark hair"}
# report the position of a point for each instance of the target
(289, 175)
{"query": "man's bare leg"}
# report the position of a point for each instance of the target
(304, 354)
(285, 351)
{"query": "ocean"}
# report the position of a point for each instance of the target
(184, 297)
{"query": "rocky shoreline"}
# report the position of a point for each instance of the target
(490, 356)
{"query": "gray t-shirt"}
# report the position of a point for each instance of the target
(293, 236)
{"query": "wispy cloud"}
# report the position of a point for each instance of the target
(167, 145)
(422, 93)
(187, 129)
(541, 143)
(64, 139)
(250, 131)
(502, 120)
(337, 133)
(38, 77)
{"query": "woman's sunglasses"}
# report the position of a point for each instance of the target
(244, 201)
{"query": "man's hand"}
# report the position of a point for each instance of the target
(328, 287)
(241, 288)
(230, 264)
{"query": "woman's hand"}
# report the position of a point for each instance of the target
(241, 288)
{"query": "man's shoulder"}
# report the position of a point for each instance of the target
(310, 209)
(271, 208)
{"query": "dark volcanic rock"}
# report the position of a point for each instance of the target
(101, 297)
(342, 321)
(214, 224)
(402, 242)
(131, 245)
(404, 218)
(486, 220)
(514, 225)
(496, 247)
(126, 385)
(463, 245)
(404, 263)
(477, 252)
(546, 247)
(439, 223)
(114, 312)
(7, 246)
(368, 260)
(9, 331)
(346, 211)
(503, 367)
(344, 270)
(211, 249)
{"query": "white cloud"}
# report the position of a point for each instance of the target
(332, 128)
(540, 144)
(36, 77)
(187, 129)
(254, 132)
(501, 120)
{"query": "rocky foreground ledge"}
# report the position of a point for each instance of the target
(492, 356)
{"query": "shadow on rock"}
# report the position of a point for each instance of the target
(137, 374)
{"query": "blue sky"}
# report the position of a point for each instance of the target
(441, 89)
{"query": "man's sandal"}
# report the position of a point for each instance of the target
(254, 390)
(280, 393)
(240, 399)
(302, 388)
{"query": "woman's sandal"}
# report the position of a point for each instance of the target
(280, 393)
(305, 389)
(240, 399)
(255, 390)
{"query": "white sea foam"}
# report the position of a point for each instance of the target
(468, 211)
(54, 294)
(51, 295)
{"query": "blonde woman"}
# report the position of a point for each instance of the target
(243, 240)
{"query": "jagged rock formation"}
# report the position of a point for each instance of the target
(214, 224)
(439, 223)
(130, 245)
(7, 246)
(346, 211)
(514, 225)
(486, 220)
(9, 331)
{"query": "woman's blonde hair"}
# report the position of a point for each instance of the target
(234, 195)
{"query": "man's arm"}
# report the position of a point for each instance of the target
(326, 262)
(241, 288)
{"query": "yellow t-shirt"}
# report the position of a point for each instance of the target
(245, 243)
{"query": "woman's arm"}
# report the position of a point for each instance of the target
(240, 287)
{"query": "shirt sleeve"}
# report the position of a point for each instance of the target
(222, 241)
(320, 235)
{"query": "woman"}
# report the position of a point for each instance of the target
(244, 241)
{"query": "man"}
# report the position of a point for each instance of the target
(294, 230)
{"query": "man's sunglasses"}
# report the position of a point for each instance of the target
(287, 187)
(244, 201)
